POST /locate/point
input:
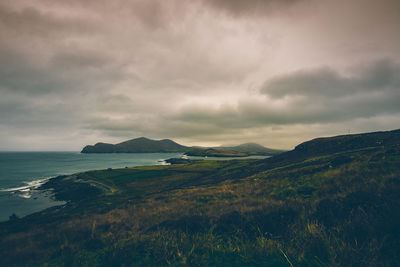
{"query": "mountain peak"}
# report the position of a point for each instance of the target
(137, 145)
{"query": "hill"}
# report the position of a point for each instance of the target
(337, 145)
(243, 150)
(329, 202)
(138, 145)
(254, 148)
(145, 145)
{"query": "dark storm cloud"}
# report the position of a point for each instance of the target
(62, 73)
(153, 14)
(36, 57)
(327, 83)
(32, 22)
(80, 59)
(251, 7)
(35, 115)
(312, 96)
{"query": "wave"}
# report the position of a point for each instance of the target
(28, 187)
(162, 162)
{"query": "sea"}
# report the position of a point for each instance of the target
(22, 173)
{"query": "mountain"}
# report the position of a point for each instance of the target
(329, 202)
(145, 145)
(214, 152)
(138, 145)
(243, 150)
(254, 148)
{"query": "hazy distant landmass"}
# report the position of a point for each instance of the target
(243, 150)
(138, 145)
(146, 145)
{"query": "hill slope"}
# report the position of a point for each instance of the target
(342, 144)
(311, 206)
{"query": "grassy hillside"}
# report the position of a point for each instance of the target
(337, 206)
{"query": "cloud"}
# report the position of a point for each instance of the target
(199, 71)
(318, 96)
(251, 7)
(32, 22)
(327, 83)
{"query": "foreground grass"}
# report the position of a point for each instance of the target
(340, 209)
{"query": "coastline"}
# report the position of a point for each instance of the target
(55, 191)
(27, 200)
(23, 174)
(303, 204)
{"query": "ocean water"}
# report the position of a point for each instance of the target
(21, 173)
(228, 158)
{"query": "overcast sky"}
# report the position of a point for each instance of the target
(201, 72)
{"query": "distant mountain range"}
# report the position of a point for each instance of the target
(243, 150)
(146, 145)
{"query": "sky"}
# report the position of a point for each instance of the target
(200, 72)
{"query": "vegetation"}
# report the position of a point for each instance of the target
(329, 202)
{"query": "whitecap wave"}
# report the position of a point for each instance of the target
(163, 162)
(25, 195)
(28, 187)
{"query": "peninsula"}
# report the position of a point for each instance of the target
(146, 145)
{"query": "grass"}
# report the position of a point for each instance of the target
(340, 209)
